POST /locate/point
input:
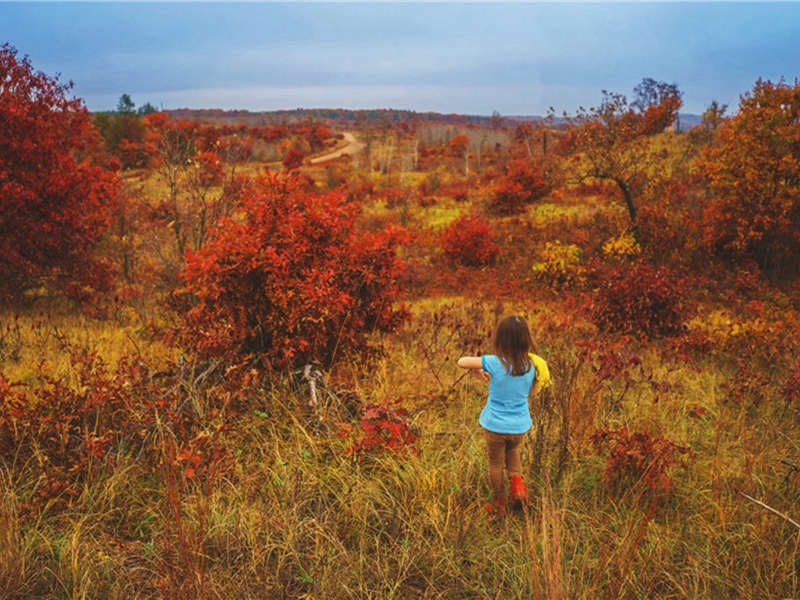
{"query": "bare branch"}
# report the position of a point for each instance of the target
(772, 510)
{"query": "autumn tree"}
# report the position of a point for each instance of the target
(55, 191)
(291, 281)
(614, 140)
(753, 171)
(714, 115)
(459, 146)
(294, 159)
(124, 133)
(522, 184)
(198, 189)
(706, 133)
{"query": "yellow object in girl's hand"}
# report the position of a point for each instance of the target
(542, 371)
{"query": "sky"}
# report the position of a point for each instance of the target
(519, 58)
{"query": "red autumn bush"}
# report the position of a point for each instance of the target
(291, 281)
(523, 183)
(210, 170)
(294, 159)
(791, 390)
(69, 428)
(610, 360)
(752, 172)
(469, 241)
(56, 192)
(637, 299)
(382, 428)
(638, 455)
(62, 432)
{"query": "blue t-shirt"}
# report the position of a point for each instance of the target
(506, 410)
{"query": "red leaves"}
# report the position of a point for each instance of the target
(54, 193)
(293, 159)
(610, 360)
(469, 241)
(791, 390)
(635, 456)
(459, 144)
(69, 429)
(211, 171)
(640, 300)
(291, 283)
(754, 173)
(523, 184)
(382, 428)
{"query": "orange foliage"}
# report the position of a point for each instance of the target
(469, 241)
(55, 190)
(293, 282)
(754, 174)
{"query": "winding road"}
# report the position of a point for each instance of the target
(352, 147)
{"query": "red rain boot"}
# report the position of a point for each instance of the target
(498, 507)
(519, 495)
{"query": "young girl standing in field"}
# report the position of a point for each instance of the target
(511, 372)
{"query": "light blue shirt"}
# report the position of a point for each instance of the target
(506, 410)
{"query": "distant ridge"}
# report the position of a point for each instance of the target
(349, 118)
(337, 116)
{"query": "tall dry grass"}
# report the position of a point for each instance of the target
(297, 517)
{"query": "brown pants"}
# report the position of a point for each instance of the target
(503, 451)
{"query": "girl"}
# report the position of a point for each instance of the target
(506, 418)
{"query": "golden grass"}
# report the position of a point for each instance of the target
(297, 517)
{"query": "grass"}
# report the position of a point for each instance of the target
(295, 516)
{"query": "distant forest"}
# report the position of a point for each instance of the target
(377, 117)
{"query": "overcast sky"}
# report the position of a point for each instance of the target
(473, 58)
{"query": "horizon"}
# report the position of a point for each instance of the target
(468, 58)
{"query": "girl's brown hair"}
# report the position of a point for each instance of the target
(512, 343)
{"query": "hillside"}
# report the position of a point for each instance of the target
(244, 384)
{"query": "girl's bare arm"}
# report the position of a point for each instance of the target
(470, 362)
(474, 364)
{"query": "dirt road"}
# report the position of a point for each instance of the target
(352, 147)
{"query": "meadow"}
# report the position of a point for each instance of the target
(141, 461)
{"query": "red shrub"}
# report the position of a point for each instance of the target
(393, 197)
(634, 456)
(692, 345)
(55, 191)
(469, 241)
(359, 190)
(293, 159)
(211, 171)
(638, 299)
(68, 429)
(610, 360)
(291, 282)
(382, 427)
(602, 188)
(523, 183)
(791, 391)
(457, 191)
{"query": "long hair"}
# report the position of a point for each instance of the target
(512, 343)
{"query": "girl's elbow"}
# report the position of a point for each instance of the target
(464, 362)
(469, 362)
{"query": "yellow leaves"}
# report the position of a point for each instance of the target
(622, 246)
(560, 263)
(723, 326)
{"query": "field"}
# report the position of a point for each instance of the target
(663, 462)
